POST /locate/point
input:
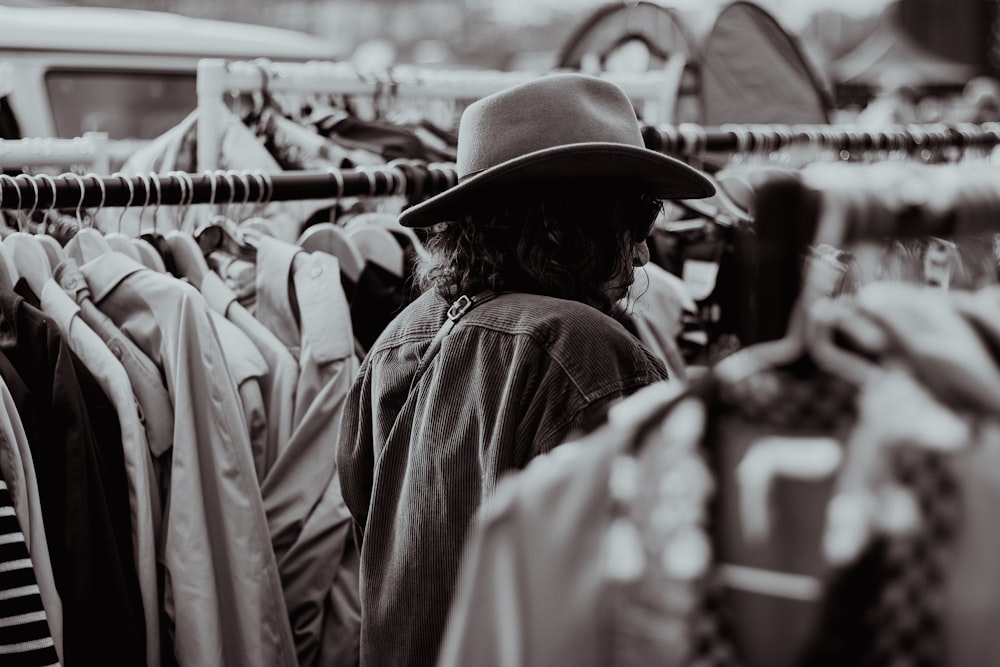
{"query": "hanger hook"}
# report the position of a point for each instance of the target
(399, 178)
(52, 184)
(338, 176)
(230, 183)
(270, 187)
(79, 203)
(127, 180)
(17, 189)
(370, 176)
(104, 196)
(182, 186)
(258, 177)
(155, 180)
(185, 184)
(189, 180)
(148, 193)
(244, 179)
(34, 202)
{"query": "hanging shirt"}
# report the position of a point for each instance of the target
(511, 381)
(222, 591)
(144, 500)
(143, 375)
(248, 369)
(82, 486)
(17, 467)
(310, 526)
(24, 629)
(278, 384)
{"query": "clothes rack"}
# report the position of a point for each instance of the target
(90, 150)
(71, 191)
(692, 140)
(218, 77)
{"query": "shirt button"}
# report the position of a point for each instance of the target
(316, 272)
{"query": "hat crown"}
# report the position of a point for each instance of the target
(552, 111)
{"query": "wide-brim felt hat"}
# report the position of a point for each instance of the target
(556, 127)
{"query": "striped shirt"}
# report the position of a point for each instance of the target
(25, 639)
(512, 380)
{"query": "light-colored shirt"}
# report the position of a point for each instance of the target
(247, 368)
(222, 592)
(278, 384)
(144, 376)
(144, 501)
(310, 525)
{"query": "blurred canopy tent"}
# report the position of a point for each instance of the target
(891, 54)
(742, 66)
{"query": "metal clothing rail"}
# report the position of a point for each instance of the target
(655, 90)
(690, 139)
(90, 150)
(70, 191)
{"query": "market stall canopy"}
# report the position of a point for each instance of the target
(890, 54)
(744, 67)
(754, 72)
(614, 29)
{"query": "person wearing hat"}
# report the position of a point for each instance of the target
(513, 346)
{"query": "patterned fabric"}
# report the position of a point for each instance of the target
(907, 616)
(25, 639)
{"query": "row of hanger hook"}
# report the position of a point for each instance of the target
(398, 174)
(696, 140)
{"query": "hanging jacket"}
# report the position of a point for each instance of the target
(310, 526)
(222, 593)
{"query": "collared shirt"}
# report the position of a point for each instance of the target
(18, 470)
(147, 383)
(278, 384)
(144, 501)
(82, 486)
(310, 526)
(248, 370)
(222, 591)
(511, 380)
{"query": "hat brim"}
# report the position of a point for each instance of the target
(665, 177)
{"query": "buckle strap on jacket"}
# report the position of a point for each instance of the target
(456, 311)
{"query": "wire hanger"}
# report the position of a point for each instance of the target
(118, 241)
(222, 232)
(376, 245)
(87, 243)
(257, 224)
(187, 255)
(51, 246)
(30, 260)
(331, 239)
(52, 249)
(8, 273)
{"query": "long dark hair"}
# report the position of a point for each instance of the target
(566, 239)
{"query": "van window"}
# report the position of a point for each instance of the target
(126, 105)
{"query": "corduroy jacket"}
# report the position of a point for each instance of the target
(513, 378)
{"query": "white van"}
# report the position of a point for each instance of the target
(129, 73)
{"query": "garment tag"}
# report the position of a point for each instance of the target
(700, 277)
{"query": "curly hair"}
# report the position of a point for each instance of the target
(567, 239)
